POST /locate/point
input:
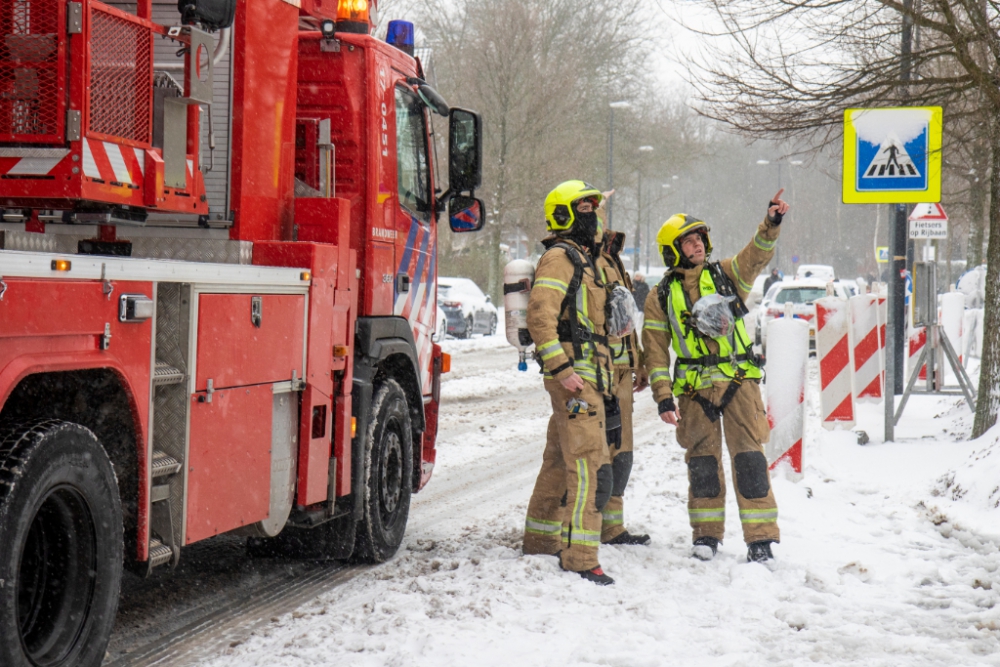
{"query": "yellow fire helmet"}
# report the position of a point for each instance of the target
(559, 215)
(673, 230)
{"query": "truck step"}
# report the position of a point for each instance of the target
(166, 374)
(159, 553)
(164, 464)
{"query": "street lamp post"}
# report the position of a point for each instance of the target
(623, 104)
(638, 217)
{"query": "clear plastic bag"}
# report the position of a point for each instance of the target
(713, 316)
(622, 313)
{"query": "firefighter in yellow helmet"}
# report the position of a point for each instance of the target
(629, 377)
(567, 323)
(697, 309)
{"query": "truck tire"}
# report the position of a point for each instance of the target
(61, 546)
(388, 475)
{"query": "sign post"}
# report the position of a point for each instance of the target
(893, 156)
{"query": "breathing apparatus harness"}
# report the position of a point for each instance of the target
(571, 331)
(725, 287)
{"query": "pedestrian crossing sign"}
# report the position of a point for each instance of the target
(892, 156)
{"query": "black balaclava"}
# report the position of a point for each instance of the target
(584, 231)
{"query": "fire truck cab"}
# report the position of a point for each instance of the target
(218, 266)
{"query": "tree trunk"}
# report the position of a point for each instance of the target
(978, 193)
(988, 397)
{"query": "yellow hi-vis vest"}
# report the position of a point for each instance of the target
(734, 350)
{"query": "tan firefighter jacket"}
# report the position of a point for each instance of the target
(656, 336)
(549, 324)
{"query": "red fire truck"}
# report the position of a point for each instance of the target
(217, 292)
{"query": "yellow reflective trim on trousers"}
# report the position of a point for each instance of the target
(613, 518)
(553, 284)
(762, 243)
(582, 489)
(585, 537)
(541, 526)
(739, 279)
(759, 516)
(707, 515)
(656, 325)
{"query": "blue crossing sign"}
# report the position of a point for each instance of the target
(892, 156)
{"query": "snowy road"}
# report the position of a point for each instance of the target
(873, 568)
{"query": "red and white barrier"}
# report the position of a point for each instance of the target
(916, 340)
(868, 335)
(786, 390)
(833, 351)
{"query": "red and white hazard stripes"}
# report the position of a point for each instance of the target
(833, 351)
(786, 389)
(30, 161)
(113, 163)
(917, 338)
(868, 333)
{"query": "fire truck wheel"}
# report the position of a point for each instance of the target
(61, 546)
(388, 475)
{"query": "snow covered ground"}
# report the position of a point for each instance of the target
(888, 554)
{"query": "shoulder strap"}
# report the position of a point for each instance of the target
(726, 287)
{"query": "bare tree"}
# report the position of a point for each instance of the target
(540, 72)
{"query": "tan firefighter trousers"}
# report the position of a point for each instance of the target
(621, 459)
(745, 425)
(574, 484)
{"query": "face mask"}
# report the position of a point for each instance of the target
(584, 230)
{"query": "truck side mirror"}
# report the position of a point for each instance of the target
(465, 155)
(465, 214)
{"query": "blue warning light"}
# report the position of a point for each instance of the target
(400, 35)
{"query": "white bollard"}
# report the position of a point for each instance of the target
(786, 390)
(833, 351)
(869, 347)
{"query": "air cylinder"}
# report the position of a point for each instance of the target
(518, 277)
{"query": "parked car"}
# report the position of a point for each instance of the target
(802, 294)
(822, 272)
(467, 309)
(440, 326)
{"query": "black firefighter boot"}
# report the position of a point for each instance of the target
(629, 538)
(597, 576)
(759, 552)
(705, 548)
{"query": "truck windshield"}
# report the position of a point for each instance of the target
(411, 150)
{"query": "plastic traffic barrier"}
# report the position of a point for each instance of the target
(916, 339)
(953, 320)
(868, 336)
(833, 352)
(786, 390)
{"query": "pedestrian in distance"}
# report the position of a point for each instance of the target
(629, 377)
(566, 320)
(775, 277)
(697, 309)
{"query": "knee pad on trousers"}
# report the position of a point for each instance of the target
(704, 472)
(605, 480)
(751, 474)
(622, 466)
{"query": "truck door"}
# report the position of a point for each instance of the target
(416, 273)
